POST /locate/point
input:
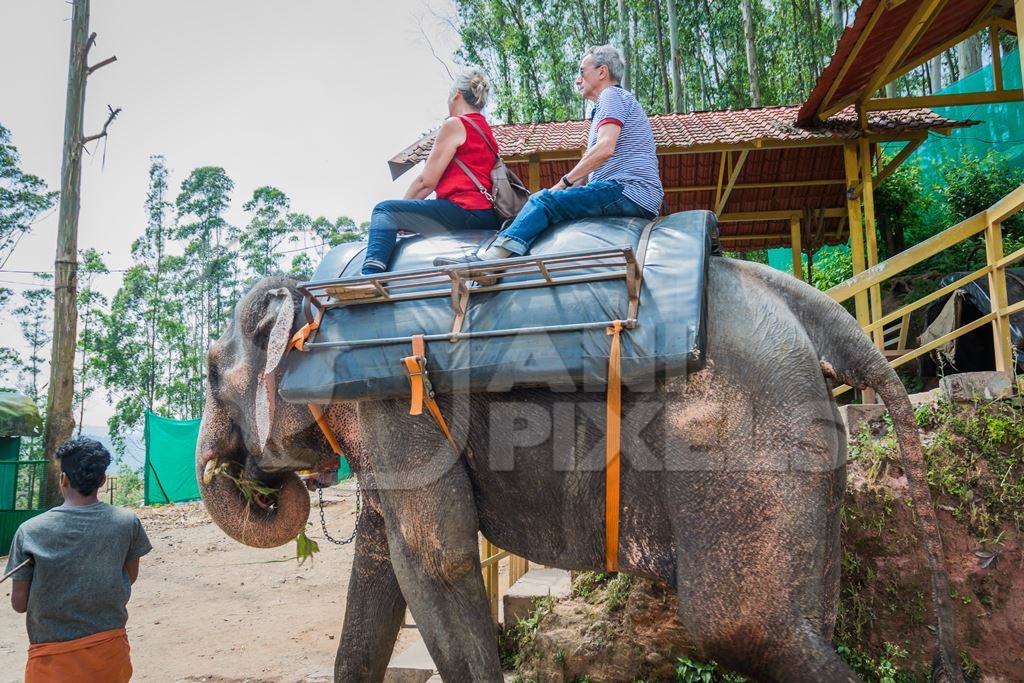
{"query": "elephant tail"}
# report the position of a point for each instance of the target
(849, 356)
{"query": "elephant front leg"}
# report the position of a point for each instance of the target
(432, 535)
(374, 609)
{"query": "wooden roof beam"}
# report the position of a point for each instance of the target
(854, 53)
(761, 186)
(951, 100)
(912, 32)
(783, 215)
(737, 167)
(898, 160)
(898, 51)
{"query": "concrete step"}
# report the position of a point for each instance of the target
(520, 600)
(412, 665)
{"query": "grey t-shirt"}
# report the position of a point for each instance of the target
(79, 583)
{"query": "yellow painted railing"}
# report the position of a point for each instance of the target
(988, 222)
(490, 557)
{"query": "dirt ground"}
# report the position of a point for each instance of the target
(206, 608)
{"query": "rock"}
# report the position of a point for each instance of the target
(857, 415)
(520, 601)
(966, 387)
(926, 397)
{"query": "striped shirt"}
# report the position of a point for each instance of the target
(634, 164)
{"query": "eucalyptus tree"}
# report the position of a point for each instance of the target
(23, 197)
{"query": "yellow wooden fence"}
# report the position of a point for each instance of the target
(988, 222)
(490, 558)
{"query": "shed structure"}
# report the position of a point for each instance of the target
(771, 182)
(887, 39)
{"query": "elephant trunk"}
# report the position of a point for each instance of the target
(260, 520)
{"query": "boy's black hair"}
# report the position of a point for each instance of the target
(85, 461)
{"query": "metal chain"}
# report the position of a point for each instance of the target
(323, 522)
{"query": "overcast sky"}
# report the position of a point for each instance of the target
(311, 96)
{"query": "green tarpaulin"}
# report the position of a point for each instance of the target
(170, 474)
(9, 448)
(171, 460)
(18, 415)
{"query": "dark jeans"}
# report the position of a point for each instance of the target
(423, 216)
(547, 208)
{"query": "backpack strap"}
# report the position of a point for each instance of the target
(479, 130)
(479, 186)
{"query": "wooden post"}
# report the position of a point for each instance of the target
(59, 420)
(856, 228)
(868, 194)
(852, 168)
(997, 293)
(517, 566)
(997, 57)
(1018, 11)
(795, 244)
(487, 549)
(533, 180)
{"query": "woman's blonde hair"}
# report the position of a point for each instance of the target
(474, 86)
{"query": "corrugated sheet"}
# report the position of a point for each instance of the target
(697, 129)
(956, 17)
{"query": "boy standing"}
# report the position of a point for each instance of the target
(85, 558)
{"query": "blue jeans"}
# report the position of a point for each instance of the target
(547, 208)
(423, 216)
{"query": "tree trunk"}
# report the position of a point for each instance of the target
(890, 89)
(750, 39)
(624, 43)
(673, 41)
(837, 18)
(935, 74)
(969, 55)
(59, 420)
(661, 54)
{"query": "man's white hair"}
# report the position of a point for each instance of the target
(611, 57)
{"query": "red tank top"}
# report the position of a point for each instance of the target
(474, 153)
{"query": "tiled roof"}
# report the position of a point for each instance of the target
(951, 21)
(695, 130)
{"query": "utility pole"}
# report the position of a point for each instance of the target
(59, 419)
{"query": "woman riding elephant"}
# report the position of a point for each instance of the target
(459, 204)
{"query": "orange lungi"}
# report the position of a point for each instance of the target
(103, 657)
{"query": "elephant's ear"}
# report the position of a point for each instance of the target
(279, 316)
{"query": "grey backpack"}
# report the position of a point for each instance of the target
(508, 193)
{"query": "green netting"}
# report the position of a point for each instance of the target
(1001, 128)
(170, 475)
(18, 415)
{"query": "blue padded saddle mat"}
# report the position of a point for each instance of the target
(668, 340)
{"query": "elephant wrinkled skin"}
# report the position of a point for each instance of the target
(732, 480)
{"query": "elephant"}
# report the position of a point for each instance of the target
(731, 485)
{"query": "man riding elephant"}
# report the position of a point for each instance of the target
(731, 483)
(617, 176)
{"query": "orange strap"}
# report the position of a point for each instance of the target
(421, 394)
(318, 415)
(613, 446)
(304, 333)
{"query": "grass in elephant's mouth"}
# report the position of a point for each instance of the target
(254, 492)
